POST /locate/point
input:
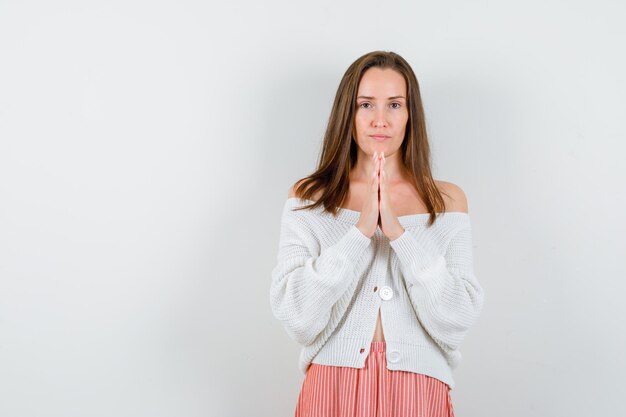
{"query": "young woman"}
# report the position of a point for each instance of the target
(375, 270)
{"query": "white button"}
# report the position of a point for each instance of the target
(386, 293)
(394, 355)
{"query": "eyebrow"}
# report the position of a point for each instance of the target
(390, 98)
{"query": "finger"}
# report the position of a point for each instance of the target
(382, 164)
(381, 187)
(374, 159)
(374, 175)
(383, 178)
(374, 180)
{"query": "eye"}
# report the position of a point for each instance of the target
(363, 104)
(399, 105)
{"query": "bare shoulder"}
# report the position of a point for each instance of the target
(454, 196)
(292, 192)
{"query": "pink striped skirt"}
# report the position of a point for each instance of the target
(372, 391)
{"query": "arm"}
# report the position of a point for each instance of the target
(306, 286)
(444, 291)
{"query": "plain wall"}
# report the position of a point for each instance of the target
(146, 150)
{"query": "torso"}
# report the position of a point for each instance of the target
(404, 199)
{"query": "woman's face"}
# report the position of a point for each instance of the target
(382, 114)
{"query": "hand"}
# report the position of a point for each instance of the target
(389, 223)
(368, 220)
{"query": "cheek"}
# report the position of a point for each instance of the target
(403, 119)
(360, 123)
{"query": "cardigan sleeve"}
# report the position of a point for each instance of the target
(307, 282)
(443, 289)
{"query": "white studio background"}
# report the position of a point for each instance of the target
(146, 150)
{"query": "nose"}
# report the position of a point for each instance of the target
(379, 118)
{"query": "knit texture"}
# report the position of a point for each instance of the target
(326, 283)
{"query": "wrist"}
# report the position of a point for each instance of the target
(396, 235)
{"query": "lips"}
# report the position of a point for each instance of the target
(379, 137)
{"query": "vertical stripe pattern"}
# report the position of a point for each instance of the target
(372, 391)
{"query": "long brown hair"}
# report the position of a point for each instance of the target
(339, 151)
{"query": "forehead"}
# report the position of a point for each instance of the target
(382, 82)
